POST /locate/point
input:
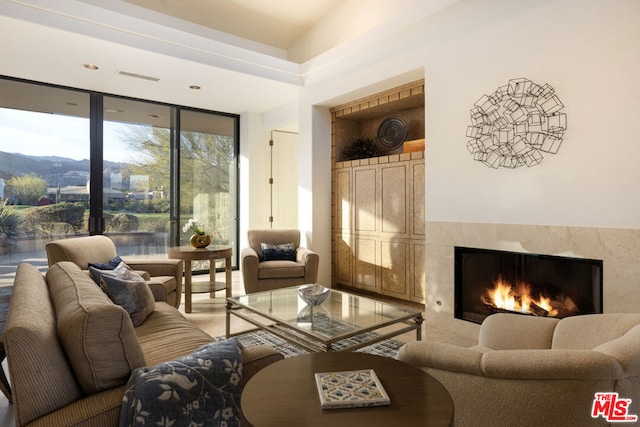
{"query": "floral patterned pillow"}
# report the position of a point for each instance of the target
(202, 388)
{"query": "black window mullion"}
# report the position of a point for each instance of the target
(96, 117)
(174, 194)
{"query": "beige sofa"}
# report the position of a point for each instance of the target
(70, 350)
(532, 371)
(259, 274)
(163, 275)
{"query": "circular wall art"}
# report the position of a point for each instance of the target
(391, 134)
(516, 124)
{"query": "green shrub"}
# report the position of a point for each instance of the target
(39, 219)
(121, 222)
(9, 220)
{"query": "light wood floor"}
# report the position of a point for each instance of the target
(209, 315)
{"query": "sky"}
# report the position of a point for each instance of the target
(42, 134)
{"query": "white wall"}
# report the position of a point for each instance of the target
(588, 50)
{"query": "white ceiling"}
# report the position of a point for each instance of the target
(246, 55)
(278, 23)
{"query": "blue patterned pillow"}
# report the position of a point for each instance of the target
(202, 389)
(273, 252)
(111, 265)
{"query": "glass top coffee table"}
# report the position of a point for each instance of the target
(324, 327)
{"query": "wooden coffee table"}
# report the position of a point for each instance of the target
(285, 394)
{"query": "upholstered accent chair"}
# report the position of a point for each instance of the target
(163, 275)
(274, 259)
(532, 371)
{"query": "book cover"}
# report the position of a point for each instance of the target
(351, 389)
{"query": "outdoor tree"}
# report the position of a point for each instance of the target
(205, 164)
(27, 189)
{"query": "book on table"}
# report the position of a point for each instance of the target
(351, 389)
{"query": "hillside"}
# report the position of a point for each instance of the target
(55, 170)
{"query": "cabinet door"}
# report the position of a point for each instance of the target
(365, 213)
(394, 257)
(343, 258)
(417, 271)
(394, 185)
(364, 264)
(417, 199)
(343, 200)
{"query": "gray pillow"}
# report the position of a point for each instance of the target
(128, 289)
(203, 388)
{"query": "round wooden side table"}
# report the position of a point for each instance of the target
(212, 253)
(285, 394)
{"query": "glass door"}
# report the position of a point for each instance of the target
(208, 178)
(136, 176)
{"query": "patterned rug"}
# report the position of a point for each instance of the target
(387, 348)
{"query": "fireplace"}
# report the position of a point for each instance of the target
(490, 281)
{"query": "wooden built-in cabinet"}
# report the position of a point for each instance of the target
(379, 210)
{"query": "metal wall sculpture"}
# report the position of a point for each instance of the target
(516, 124)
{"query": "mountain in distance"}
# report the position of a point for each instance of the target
(53, 169)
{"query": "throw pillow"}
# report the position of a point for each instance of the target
(128, 289)
(281, 252)
(202, 388)
(111, 265)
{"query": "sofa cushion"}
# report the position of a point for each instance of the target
(202, 388)
(280, 270)
(127, 289)
(165, 327)
(502, 331)
(97, 335)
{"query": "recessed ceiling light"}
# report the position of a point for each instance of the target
(154, 116)
(71, 104)
(91, 67)
(194, 87)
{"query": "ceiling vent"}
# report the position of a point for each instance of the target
(138, 76)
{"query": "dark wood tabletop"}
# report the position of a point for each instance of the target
(285, 394)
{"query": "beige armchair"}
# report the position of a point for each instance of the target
(262, 275)
(164, 276)
(533, 371)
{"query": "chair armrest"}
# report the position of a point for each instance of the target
(551, 365)
(626, 349)
(249, 264)
(157, 267)
(310, 260)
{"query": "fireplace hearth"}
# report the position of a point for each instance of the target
(490, 281)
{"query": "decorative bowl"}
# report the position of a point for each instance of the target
(313, 295)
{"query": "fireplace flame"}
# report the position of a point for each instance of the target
(519, 298)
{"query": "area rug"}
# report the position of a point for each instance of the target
(387, 348)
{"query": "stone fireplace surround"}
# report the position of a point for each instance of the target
(619, 249)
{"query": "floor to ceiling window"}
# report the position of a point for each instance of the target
(148, 169)
(208, 191)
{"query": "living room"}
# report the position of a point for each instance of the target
(581, 201)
